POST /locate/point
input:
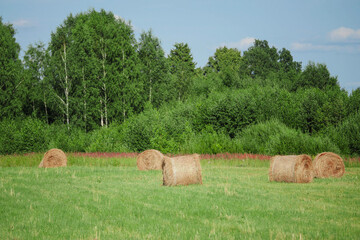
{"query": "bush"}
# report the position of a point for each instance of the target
(9, 136)
(211, 142)
(226, 112)
(273, 137)
(68, 140)
(107, 139)
(346, 135)
(21, 136)
(138, 130)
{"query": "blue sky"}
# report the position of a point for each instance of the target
(322, 31)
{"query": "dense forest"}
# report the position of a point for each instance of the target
(95, 87)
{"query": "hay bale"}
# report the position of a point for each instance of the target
(328, 164)
(53, 158)
(150, 160)
(183, 170)
(291, 168)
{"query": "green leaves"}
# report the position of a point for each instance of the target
(95, 77)
(95, 69)
(182, 67)
(317, 75)
(154, 68)
(11, 82)
(259, 60)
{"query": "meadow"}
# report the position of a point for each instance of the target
(108, 198)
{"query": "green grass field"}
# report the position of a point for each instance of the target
(110, 199)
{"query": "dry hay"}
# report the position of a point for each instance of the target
(328, 164)
(291, 168)
(53, 158)
(150, 160)
(183, 170)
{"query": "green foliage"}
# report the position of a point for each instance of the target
(273, 137)
(96, 69)
(259, 60)
(317, 75)
(107, 139)
(204, 85)
(164, 130)
(162, 141)
(154, 68)
(319, 109)
(95, 88)
(353, 105)
(137, 130)
(68, 140)
(221, 111)
(226, 62)
(22, 136)
(11, 87)
(211, 142)
(182, 67)
(224, 58)
(37, 89)
(346, 135)
(232, 110)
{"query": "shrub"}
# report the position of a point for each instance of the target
(273, 137)
(21, 136)
(346, 135)
(68, 140)
(138, 130)
(9, 136)
(211, 142)
(226, 112)
(106, 139)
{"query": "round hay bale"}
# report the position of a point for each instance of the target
(291, 168)
(150, 160)
(183, 170)
(53, 158)
(328, 164)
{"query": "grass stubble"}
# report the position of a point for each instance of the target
(111, 199)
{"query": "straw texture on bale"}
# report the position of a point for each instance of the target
(328, 164)
(150, 160)
(291, 168)
(53, 158)
(183, 170)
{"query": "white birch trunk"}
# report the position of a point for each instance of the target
(66, 88)
(46, 112)
(101, 115)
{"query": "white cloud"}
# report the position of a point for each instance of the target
(243, 44)
(301, 46)
(23, 23)
(341, 40)
(344, 34)
(325, 47)
(309, 47)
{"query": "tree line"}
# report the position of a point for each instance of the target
(95, 78)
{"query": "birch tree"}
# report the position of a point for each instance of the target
(95, 69)
(86, 74)
(113, 45)
(61, 61)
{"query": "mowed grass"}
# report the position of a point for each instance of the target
(111, 199)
